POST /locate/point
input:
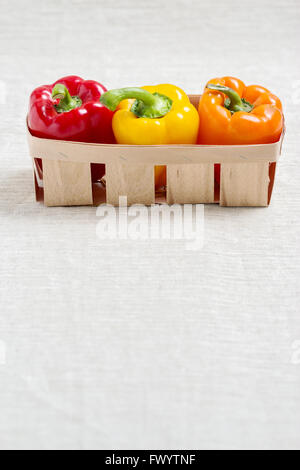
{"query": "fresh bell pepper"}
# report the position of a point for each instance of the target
(232, 113)
(70, 109)
(152, 115)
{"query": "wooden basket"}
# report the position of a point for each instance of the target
(64, 178)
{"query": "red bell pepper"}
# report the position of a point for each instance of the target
(70, 110)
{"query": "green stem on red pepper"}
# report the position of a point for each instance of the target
(146, 105)
(67, 102)
(234, 103)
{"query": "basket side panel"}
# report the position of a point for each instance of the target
(244, 184)
(194, 99)
(67, 183)
(136, 182)
(190, 184)
(38, 181)
(272, 173)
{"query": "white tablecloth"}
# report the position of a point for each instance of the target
(145, 344)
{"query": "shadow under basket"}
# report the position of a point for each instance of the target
(63, 172)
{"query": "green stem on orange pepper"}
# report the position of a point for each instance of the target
(235, 102)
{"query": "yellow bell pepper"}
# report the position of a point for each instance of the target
(152, 115)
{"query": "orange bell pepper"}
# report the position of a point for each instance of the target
(232, 113)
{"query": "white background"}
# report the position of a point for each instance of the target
(122, 344)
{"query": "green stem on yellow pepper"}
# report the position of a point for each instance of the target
(146, 105)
